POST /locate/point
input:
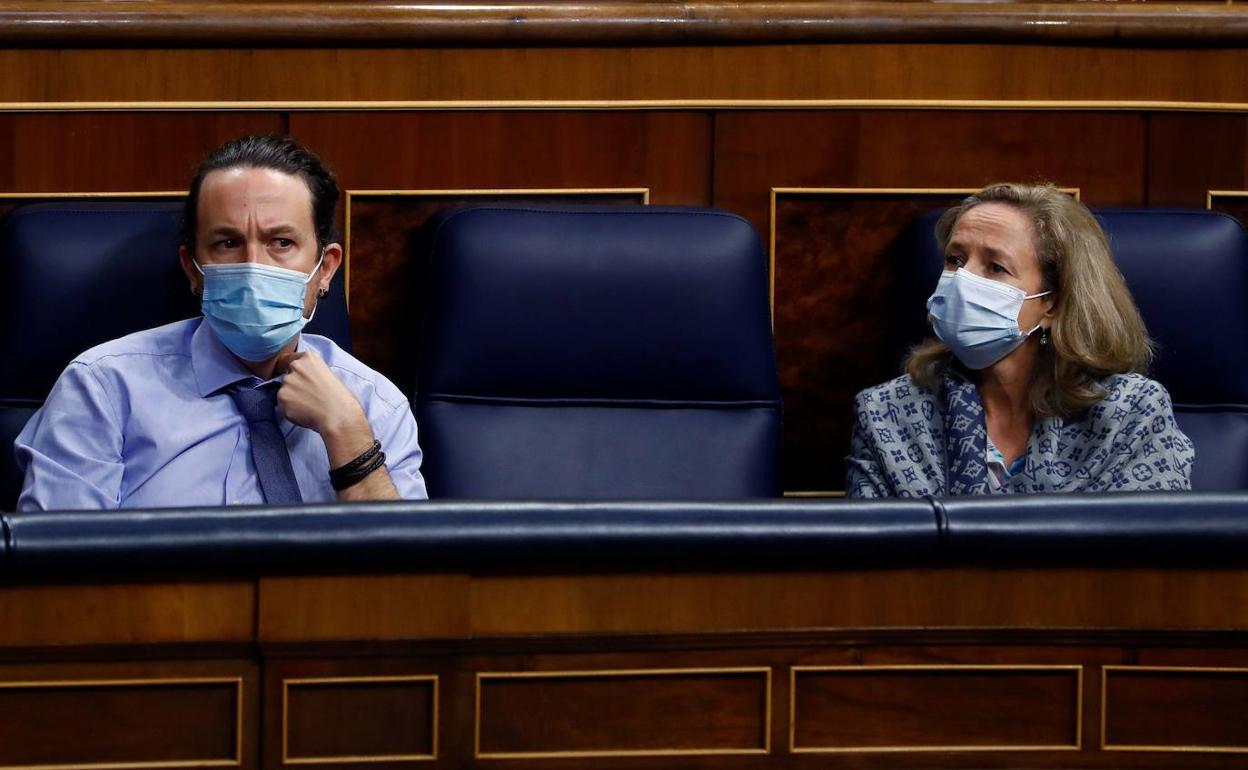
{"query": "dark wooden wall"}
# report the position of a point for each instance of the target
(828, 143)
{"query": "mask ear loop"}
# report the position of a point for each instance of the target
(1044, 336)
(316, 302)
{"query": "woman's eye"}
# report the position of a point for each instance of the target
(999, 269)
(954, 261)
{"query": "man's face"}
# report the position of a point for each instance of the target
(259, 215)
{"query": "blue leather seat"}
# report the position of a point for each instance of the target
(73, 275)
(598, 353)
(1188, 272)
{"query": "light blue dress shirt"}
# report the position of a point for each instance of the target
(145, 422)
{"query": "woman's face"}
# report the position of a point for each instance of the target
(995, 241)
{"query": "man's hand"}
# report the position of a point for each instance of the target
(312, 396)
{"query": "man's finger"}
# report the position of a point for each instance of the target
(284, 360)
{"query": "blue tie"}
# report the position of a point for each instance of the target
(268, 446)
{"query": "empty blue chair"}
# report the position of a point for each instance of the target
(598, 353)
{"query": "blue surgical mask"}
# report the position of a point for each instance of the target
(254, 309)
(977, 318)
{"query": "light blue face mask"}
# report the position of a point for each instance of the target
(255, 310)
(977, 318)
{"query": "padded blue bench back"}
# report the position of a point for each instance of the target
(1188, 272)
(73, 275)
(593, 353)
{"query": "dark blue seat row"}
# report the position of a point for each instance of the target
(604, 353)
(1093, 530)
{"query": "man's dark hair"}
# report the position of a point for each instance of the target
(280, 153)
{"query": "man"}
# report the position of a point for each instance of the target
(236, 407)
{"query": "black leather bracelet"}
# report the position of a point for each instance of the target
(358, 469)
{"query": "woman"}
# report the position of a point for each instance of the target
(1033, 382)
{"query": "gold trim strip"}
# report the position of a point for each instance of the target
(587, 674)
(89, 195)
(288, 760)
(466, 192)
(1211, 194)
(237, 681)
(190, 105)
(1106, 746)
(795, 749)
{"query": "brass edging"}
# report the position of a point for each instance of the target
(434, 726)
(1106, 746)
(237, 681)
(468, 192)
(1211, 194)
(587, 674)
(793, 672)
(190, 105)
(36, 196)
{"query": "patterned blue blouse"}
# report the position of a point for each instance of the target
(909, 441)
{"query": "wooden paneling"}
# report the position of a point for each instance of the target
(1175, 709)
(363, 607)
(102, 152)
(386, 248)
(836, 283)
(189, 712)
(866, 71)
(607, 22)
(1188, 155)
(666, 152)
(613, 713)
(369, 719)
(928, 708)
(126, 613)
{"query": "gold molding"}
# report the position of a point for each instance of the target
(286, 683)
(1106, 746)
(36, 196)
(237, 681)
(1211, 194)
(587, 674)
(191, 105)
(465, 192)
(793, 672)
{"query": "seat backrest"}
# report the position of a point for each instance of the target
(1188, 272)
(73, 275)
(598, 353)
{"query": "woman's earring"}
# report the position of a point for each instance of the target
(1044, 335)
(321, 292)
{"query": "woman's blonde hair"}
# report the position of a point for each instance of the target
(1097, 329)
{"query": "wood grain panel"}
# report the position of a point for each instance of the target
(601, 22)
(122, 722)
(901, 598)
(835, 279)
(1175, 709)
(665, 152)
(924, 708)
(613, 713)
(102, 151)
(1190, 154)
(868, 71)
(134, 613)
(363, 607)
(387, 249)
(360, 719)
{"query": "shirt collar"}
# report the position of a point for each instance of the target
(215, 366)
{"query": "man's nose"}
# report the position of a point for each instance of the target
(255, 252)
